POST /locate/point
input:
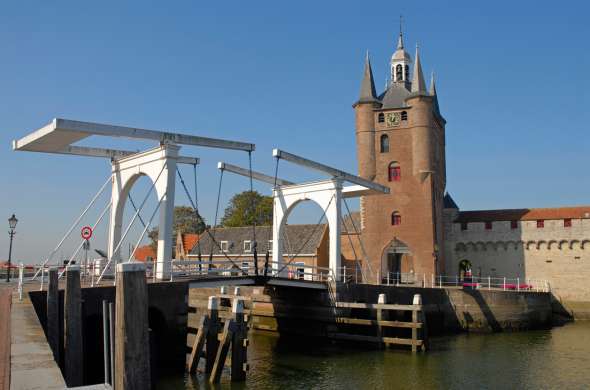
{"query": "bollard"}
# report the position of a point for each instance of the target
(53, 333)
(73, 341)
(239, 343)
(212, 342)
(382, 299)
(21, 274)
(132, 352)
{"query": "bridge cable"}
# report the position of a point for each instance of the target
(200, 218)
(253, 213)
(358, 234)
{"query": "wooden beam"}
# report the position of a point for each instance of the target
(226, 338)
(198, 345)
(356, 305)
(329, 170)
(255, 175)
(373, 339)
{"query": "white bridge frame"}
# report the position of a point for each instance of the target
(159, 164)
(328, 194)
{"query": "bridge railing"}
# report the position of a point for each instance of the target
(476, 282)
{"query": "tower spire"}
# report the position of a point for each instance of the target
(367, 93)
(432, 92)
(400, 40)
(418, 84)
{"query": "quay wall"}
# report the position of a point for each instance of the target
(167, 312)
(448, 310)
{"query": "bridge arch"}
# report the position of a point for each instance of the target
(327, 194)
(159, 165)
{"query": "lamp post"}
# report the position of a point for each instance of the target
(12, 224)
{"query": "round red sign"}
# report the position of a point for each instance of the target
(86, 232)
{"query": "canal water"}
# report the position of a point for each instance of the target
(546, 359)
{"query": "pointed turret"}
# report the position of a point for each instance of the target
(368, 93)
(432, 86)
(418, 84)
(432, 92)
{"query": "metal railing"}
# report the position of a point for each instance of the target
(186, 269)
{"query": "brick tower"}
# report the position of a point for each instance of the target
(400, 137)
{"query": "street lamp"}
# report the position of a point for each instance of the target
(12, 224)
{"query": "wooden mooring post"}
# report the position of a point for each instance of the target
(239, 365)
(53, 331)
(212, 342)
(132, 352)
(73, 340)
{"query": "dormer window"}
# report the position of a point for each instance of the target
(247, 246)
(224, 246)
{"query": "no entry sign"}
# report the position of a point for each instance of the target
(86, 232)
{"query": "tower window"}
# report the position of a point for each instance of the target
(404, 115)
(396, 218)
(540, 223)
(567, 222)
(381, 118)
(394, 172)
(399, 73)
(407, 69)
(463, 225)
(488, 225)
(513, 224)
(384, 143)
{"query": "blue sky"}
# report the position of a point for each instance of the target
(512, 79)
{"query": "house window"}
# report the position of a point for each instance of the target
(224, 245)
(488, 226)
(247, 246)
(540, 223)
(299, 270)
(513, 224)
(381, 118)
(463, 225)
(567, 222)
(394, 172)
(396, 218)
(404, 115)
(245, 266)
(384, 143)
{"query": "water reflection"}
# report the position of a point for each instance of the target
(545, 359)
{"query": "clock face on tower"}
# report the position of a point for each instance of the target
(392, 119)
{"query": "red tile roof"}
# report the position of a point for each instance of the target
(143, 252)
(189, 240)
(524, 214)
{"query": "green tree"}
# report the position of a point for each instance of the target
(246, 207)
(185, 221)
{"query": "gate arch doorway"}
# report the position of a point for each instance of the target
(397, 264)
(464, 269)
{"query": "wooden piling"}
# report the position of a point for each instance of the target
(132, 353)
(212, 342)
(73, 340)
(239, 364)
(198, 345)
(226, 338)
(53, 331)
(416, 301)
(382, 299)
